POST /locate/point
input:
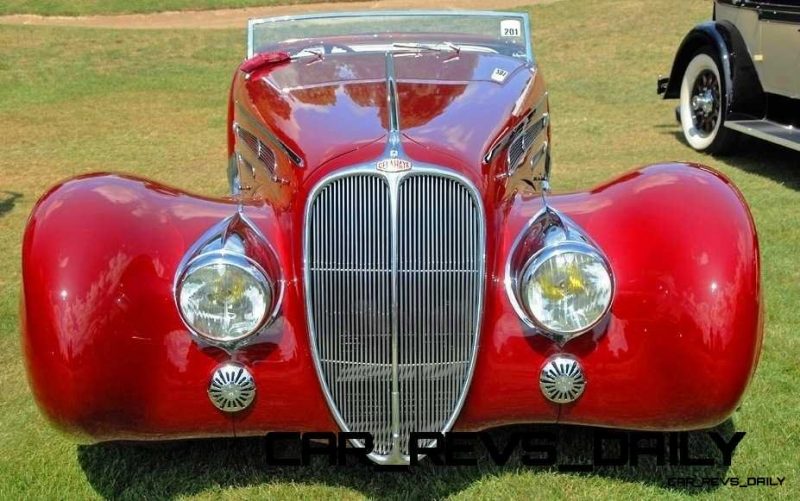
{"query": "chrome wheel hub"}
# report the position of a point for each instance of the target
(705, 102)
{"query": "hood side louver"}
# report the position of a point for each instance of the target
(263, 152)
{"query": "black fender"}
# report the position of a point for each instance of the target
(745, 97)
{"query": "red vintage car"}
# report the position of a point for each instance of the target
(390, 261)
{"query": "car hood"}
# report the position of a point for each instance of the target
(324, 107)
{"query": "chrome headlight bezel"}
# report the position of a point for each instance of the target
(242, 263)
(545, 254)
(546, 235)
(238, 241)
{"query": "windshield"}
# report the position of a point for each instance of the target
(501, 32)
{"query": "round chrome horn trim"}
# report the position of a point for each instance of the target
(562, 380)
(232, 387)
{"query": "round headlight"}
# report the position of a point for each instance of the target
(567, 288)
(224, 297)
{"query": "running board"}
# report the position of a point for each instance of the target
(784, 135)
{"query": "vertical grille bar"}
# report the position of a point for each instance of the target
(436, 263)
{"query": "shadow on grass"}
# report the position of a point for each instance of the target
(7, 201)
(168, 470)
(761, 158)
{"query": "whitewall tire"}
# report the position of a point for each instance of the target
(702, 105)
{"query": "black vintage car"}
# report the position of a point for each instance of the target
(739, 73)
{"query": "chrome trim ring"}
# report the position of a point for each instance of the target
(243, 263)
(228, 235)
(562, 380)
(550, 252)
(549, 230)
(232, 388)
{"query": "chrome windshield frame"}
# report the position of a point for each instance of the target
(522, 16)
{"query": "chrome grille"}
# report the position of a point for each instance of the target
(350, 282)
(440, 274)
(436, 263)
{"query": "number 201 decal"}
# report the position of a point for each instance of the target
(510, 28)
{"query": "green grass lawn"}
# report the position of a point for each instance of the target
(154, 103)
(91, 7)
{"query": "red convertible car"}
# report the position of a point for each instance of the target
(390, 260)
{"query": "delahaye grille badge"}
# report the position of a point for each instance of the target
(394, 165)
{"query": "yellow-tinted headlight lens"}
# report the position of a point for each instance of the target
(224, 299)
(567, 291)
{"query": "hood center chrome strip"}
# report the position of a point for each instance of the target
(394, 158)
(394, 150)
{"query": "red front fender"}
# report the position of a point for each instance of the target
(685, 327)
(108, 356)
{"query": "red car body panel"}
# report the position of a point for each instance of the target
(109, 357)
